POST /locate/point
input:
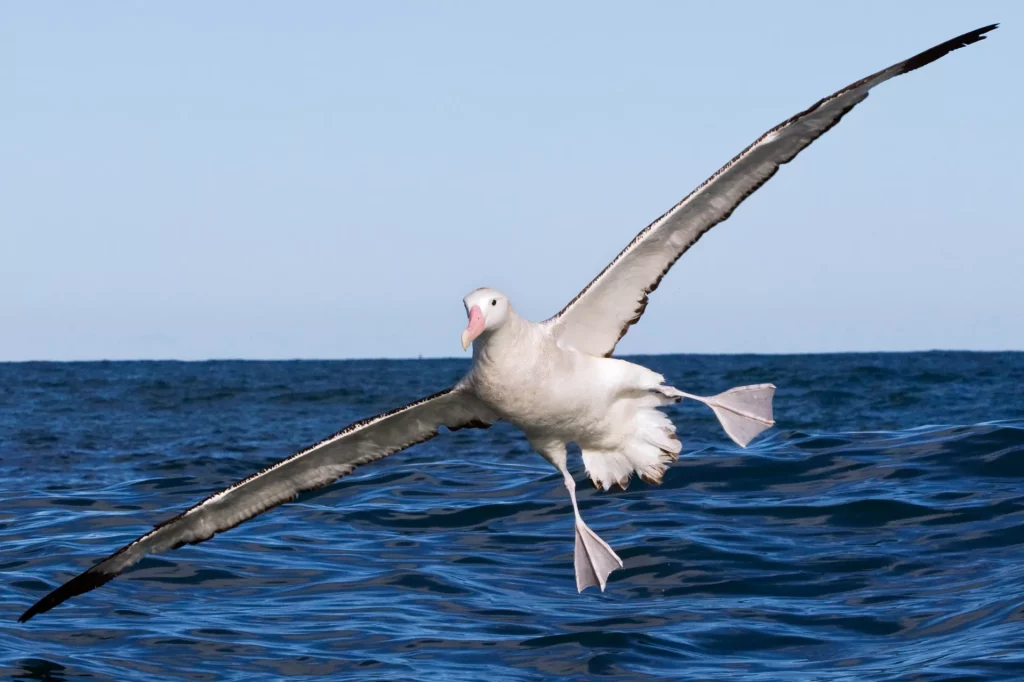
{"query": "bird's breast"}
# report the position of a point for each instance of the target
(543, 393)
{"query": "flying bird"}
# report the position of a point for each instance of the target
(555, 380)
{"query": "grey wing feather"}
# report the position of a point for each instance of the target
(600, 315)
(312, 468)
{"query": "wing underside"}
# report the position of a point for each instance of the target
(309, 469)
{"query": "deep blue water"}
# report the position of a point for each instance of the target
(877, 533)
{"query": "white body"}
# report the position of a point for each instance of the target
(533, 376)
(559, 395)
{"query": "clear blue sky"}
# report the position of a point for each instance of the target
(278, 180)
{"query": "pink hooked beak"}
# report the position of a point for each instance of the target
(475, 326)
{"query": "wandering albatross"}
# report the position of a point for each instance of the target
(555, 380)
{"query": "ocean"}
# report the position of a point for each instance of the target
(876, 533)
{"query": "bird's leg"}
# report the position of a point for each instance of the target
(594, 559)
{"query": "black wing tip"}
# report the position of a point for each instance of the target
(941, 50)
(84, 582)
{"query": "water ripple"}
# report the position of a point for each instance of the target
(876, 534)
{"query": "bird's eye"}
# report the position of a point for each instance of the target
(494, 301)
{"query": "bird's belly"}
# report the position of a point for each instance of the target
(568, 411)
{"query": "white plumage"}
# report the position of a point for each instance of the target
(555, 379)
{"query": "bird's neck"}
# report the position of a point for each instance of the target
(501, 342)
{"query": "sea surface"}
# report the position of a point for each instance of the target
(877, 533)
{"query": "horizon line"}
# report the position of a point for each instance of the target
(469, 357)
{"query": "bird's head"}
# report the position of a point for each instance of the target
(487, 309)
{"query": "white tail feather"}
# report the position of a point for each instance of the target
(648, 451)
(744, 412)
(608, 468)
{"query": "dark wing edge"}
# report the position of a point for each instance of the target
(558, 321)
(328, 460)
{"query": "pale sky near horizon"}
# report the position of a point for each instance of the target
(328, 180)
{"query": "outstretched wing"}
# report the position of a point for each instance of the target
(600, 315)
(314, 467)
